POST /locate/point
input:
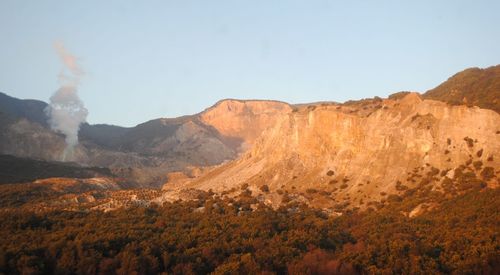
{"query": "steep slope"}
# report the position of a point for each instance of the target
(473, 87)
(147, 152)
(243, 120)
(360, 152)
(32, 110)
(180, 140)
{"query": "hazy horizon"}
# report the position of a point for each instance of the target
(167, 59)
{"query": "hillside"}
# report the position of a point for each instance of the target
(473, 87)
(332, 154)
(16, 170)
(147, 152)
(30, 109)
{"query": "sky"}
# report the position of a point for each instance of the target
(149, 59)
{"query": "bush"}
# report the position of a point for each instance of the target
(264, 188)
(311, 191)
(488, 173)
(470, 141)
(477, 164)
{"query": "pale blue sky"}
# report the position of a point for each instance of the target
(150, 59)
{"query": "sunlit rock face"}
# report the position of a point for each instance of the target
(368, 147)
(244, 121)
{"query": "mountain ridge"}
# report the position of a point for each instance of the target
(145, 152)
(357, 152)
(149, 151)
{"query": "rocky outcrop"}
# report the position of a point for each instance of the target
(360, 151)
(244, 121)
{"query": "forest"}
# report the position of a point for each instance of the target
(227, 236)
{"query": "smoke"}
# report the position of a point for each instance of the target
(66, 111)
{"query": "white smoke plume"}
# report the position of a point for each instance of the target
(66, 111)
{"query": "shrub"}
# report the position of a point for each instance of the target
(488, 173)
(394, 198)
(470, 141)
(311, 191)
(400, 186)
(264, 188)
(325, 193)
(246, 193)
(477, 164)
(444, 172)
(434, 171)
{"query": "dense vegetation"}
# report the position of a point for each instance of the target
(474, 86)
(227, 236)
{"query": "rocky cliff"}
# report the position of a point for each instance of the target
(244, 121)
(361, 152)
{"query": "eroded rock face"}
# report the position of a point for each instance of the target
(244, 120)
(367, 148)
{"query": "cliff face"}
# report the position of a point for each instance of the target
(244, 121)
(361, 151)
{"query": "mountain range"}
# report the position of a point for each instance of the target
(327, 153)
(144, 153)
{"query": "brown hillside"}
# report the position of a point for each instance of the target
(359, 154)
(473, 87)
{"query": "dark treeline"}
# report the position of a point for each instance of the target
(228, 237)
